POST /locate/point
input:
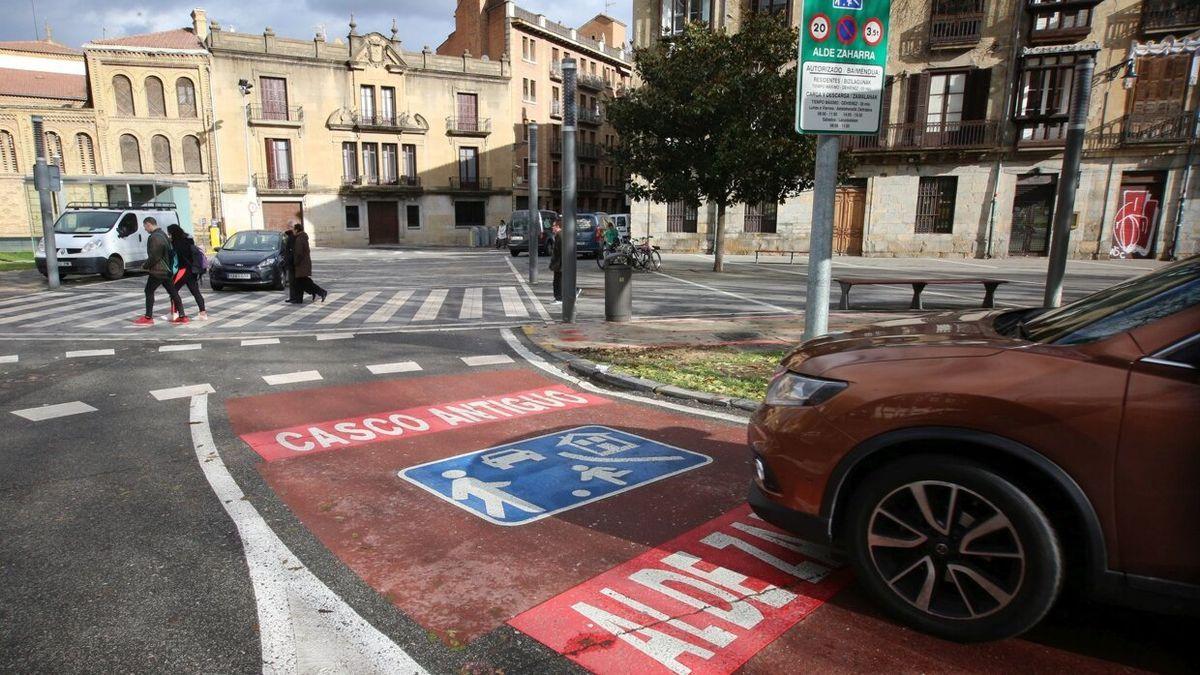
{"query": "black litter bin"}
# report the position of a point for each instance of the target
(618, 292)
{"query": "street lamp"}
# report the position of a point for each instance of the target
(246, 86)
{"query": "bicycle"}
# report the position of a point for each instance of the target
(645, 255)
(619, 254)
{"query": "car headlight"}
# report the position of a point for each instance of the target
(266, 264)
(794, 389)
(90, 246)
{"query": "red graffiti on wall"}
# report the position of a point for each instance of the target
(1134, 220)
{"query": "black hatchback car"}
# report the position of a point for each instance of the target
(249, 259)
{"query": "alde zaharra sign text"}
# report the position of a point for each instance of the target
(843, 53)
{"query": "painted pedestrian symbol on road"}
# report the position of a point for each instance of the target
(525, 481)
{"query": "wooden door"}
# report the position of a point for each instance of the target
(849, 214)
(1136, 222)
(273, 91)
(279, 215)
(383, 223)
(468, 112)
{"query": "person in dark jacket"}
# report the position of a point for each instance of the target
(289, 264)
(556, 258)
(158, 269)
(302, 260)
(189, 268)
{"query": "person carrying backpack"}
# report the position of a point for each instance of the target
(161, 266)
(191, 266)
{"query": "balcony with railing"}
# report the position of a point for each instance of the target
(381, 121)
(589, 81)
(1159, 128)
(278, 116)
(1060, 21)
(929, 136)
(590, 116)
(386, 182)
(292, 184)
(480, 184)
(1170, 16)
(468, 126)
(589, 183)
(556, 71)
(556, 109)
(955, 24)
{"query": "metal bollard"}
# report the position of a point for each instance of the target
(618, 292)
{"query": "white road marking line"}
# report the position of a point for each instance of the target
(389, 368)
(515, 344)
(231, 314)
(491, 360)
(743, 298)
(303, 625)
(186, 391)
(180, 348)
(39, 301)
(124, 309)
(432, 305)
(349, 308)
(472, 305)
(83, 353)
(306, 310)
(257, 314)
(49, 412)
(963, 262)
(533, 298)
(31, 298)
(335, 336)
(512, 302)
(292, 378)
(11, 358)
(389, 307)
(17, 318)
(256, 342)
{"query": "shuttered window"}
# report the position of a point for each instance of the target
(54, 151)
(160, 148)
(87, 153)
(349, 163)
(131, 155)
(185, 97)
(156, 104)
(935, 204)
(123, 94)
(681, 217)
(191, 155)
(8, 153)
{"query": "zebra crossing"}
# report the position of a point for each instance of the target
(105, 313)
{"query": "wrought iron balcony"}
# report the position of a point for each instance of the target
(917, 136)
(281, 184)
(556, 109)
(955, 23)
(590, 116)
(378, 120)
(1152, 128)
(471, 184)
(1170, 16)
(400, 182)
(275, 115)
(589, 81)
(468, 126)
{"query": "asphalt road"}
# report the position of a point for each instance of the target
(149, 527)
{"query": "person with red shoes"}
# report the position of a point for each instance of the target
(160, 268)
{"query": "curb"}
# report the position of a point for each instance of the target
(601, 373)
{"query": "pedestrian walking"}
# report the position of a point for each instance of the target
(289, 265)
(160, 267)
(302, 263)
(190, 260)
(556, 258)
(502, 235)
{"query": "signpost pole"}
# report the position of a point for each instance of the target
(1065, 204)
(533, 230)
(570, 115)
(41, 181)
(820, 242)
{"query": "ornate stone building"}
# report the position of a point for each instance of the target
(969, 154)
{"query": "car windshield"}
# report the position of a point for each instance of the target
(1120, 308)
(519, 222)
(252, 241)
(85, 222)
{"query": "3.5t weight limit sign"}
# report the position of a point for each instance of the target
(839, 88)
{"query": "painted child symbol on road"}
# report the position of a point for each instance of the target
(530, 479)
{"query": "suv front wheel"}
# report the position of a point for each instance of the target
(953, 548)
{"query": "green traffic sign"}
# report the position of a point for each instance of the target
(842, 57)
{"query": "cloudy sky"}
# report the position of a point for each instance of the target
(421, 22)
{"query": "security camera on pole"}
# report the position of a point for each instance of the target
(839, 91)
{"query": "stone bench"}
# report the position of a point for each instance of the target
(918, 285)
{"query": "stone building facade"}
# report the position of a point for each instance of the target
(968, 157)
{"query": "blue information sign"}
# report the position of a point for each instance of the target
(521, 482)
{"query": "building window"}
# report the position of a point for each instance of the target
(366, 103)
(391, 164)
(935, 204)
(279, 163)
(1044, 101)
(370, 163)
(8, 153)
(131, 154)
(529, 90)
(525, 169)
(468, 167)
(412, 213)
(273, 94)
(1059, 23)
(349, 163)
(185, 97)
(408, 154)
(469, 214)
(191, 155)
(761, 218)
(681, 217)
(54, 151)
(779, 7)
(352, 217)
(123, 93)
(676, 14)
(85, 146)
(156, 103)
(387, 105)
(468, 112)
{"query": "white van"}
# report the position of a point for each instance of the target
(104, 239)
(622, 222)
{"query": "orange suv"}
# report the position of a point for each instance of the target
(970, 463)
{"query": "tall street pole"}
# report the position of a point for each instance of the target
(41, 181)
(568, 190)
(534, 231)
(820, 243)
(1064, 206)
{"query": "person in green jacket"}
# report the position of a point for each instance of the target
(612, 236)
(158, 273)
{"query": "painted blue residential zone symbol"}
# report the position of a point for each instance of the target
(521, 482)
(847, 4)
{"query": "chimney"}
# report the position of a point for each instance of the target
(200, 24)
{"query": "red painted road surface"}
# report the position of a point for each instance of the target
(666, 549)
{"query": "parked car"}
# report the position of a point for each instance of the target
(971, 463)
(251, 258)
(101, 238)
(622, 222)
(589, 234)
(518, 229)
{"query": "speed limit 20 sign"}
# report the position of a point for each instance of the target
(839, 87)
